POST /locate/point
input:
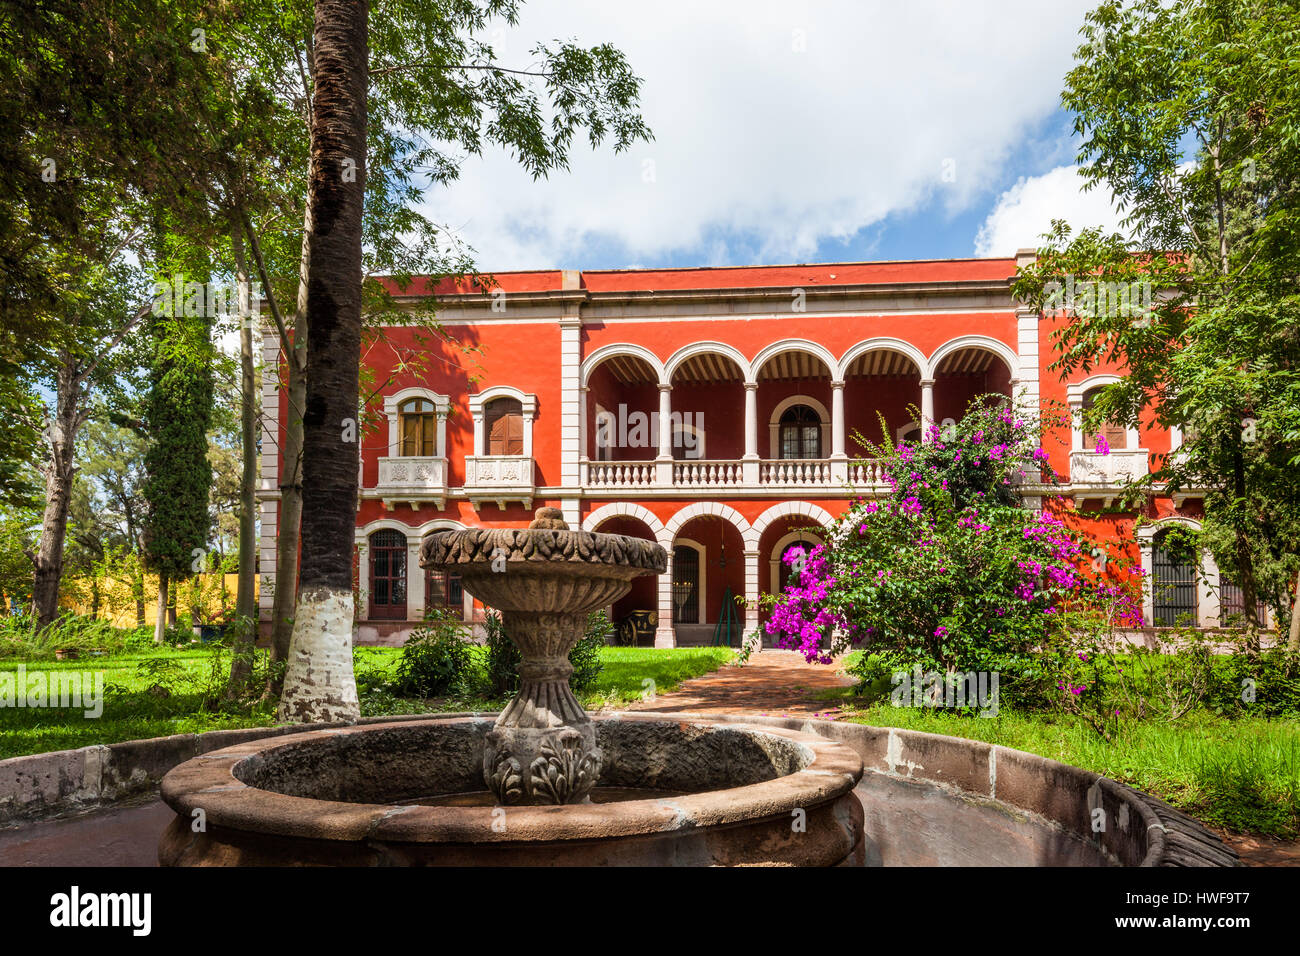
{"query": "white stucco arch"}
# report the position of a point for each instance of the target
(596, 358)
(704, 348)
(624, 509)
(807, 509)
(795, 345)
(706, 508)
(989, 344)
(884, 344)
(774, 559)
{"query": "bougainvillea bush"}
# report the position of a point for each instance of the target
(948, 569)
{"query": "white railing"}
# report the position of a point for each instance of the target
(1114, 468)
(707, 474)
(795, 472)
(864, 474)
(499, 471)
(620, 474)
(413, 474)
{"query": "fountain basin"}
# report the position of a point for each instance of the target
(717, 794)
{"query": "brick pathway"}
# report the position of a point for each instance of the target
(774, 683)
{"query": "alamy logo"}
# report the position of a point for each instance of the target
(938, 689)
(74, 908)
(61, 689)
(639, 430)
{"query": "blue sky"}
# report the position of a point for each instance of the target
(797, 132)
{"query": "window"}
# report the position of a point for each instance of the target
(686, 585)
(801, 433)
(503, 420)
(444, 591)
(1232, 603)
(418, 424)
(1116, 436)
(1173, 584)
(388, 575)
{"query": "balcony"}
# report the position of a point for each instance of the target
(412, 480)
(1103, 475)
(500, 479)
(764, 475)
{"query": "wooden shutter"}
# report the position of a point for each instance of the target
(505, 427)
(1116, 436)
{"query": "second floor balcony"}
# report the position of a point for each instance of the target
(761, 475)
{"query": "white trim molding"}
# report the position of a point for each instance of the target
(687, 352)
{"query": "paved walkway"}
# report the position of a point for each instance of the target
(773, 684)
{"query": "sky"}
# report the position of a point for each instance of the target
(797, 132)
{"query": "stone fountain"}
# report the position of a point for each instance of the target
(561, 789)
(545, 581)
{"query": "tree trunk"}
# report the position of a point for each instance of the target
(59, 471)
(160, 625)
(319, 683)
(1293, 637)
(137, 590)
(285, 599)
(241, 662)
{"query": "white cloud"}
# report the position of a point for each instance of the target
(763, 150)
(1026, 210)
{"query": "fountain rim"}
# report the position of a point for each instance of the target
(462, 549)
(208, 782)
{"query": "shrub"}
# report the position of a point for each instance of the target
(503, 656)
(948, 571)
(435, 659)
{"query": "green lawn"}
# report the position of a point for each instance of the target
(1241, 774)
(132, 710)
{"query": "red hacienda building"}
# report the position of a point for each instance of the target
(760, 377)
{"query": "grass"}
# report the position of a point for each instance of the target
(165, 691)
(1238, 773)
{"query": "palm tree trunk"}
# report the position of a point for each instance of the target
(319, 684)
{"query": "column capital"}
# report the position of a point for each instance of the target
(751, 386)
(927, 383)
(837, 383)
(665, 386)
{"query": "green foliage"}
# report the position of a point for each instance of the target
(435, 659)
(177, 413)
(585, 656)
(1188, 114)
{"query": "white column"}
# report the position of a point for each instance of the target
(749, 466)
(752, 591)
(664, 466)
(442, 430)
(665, 635)
(751, 419)
(414, 580)
(583, 453)
(480, 440)
(927, 407)
(837, 420)
(363, 579)
(570, 398)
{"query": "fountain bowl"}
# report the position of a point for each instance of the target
(410, 793)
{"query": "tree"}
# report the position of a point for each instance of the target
(1190, 116)
(178, 475)
(319, 684)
